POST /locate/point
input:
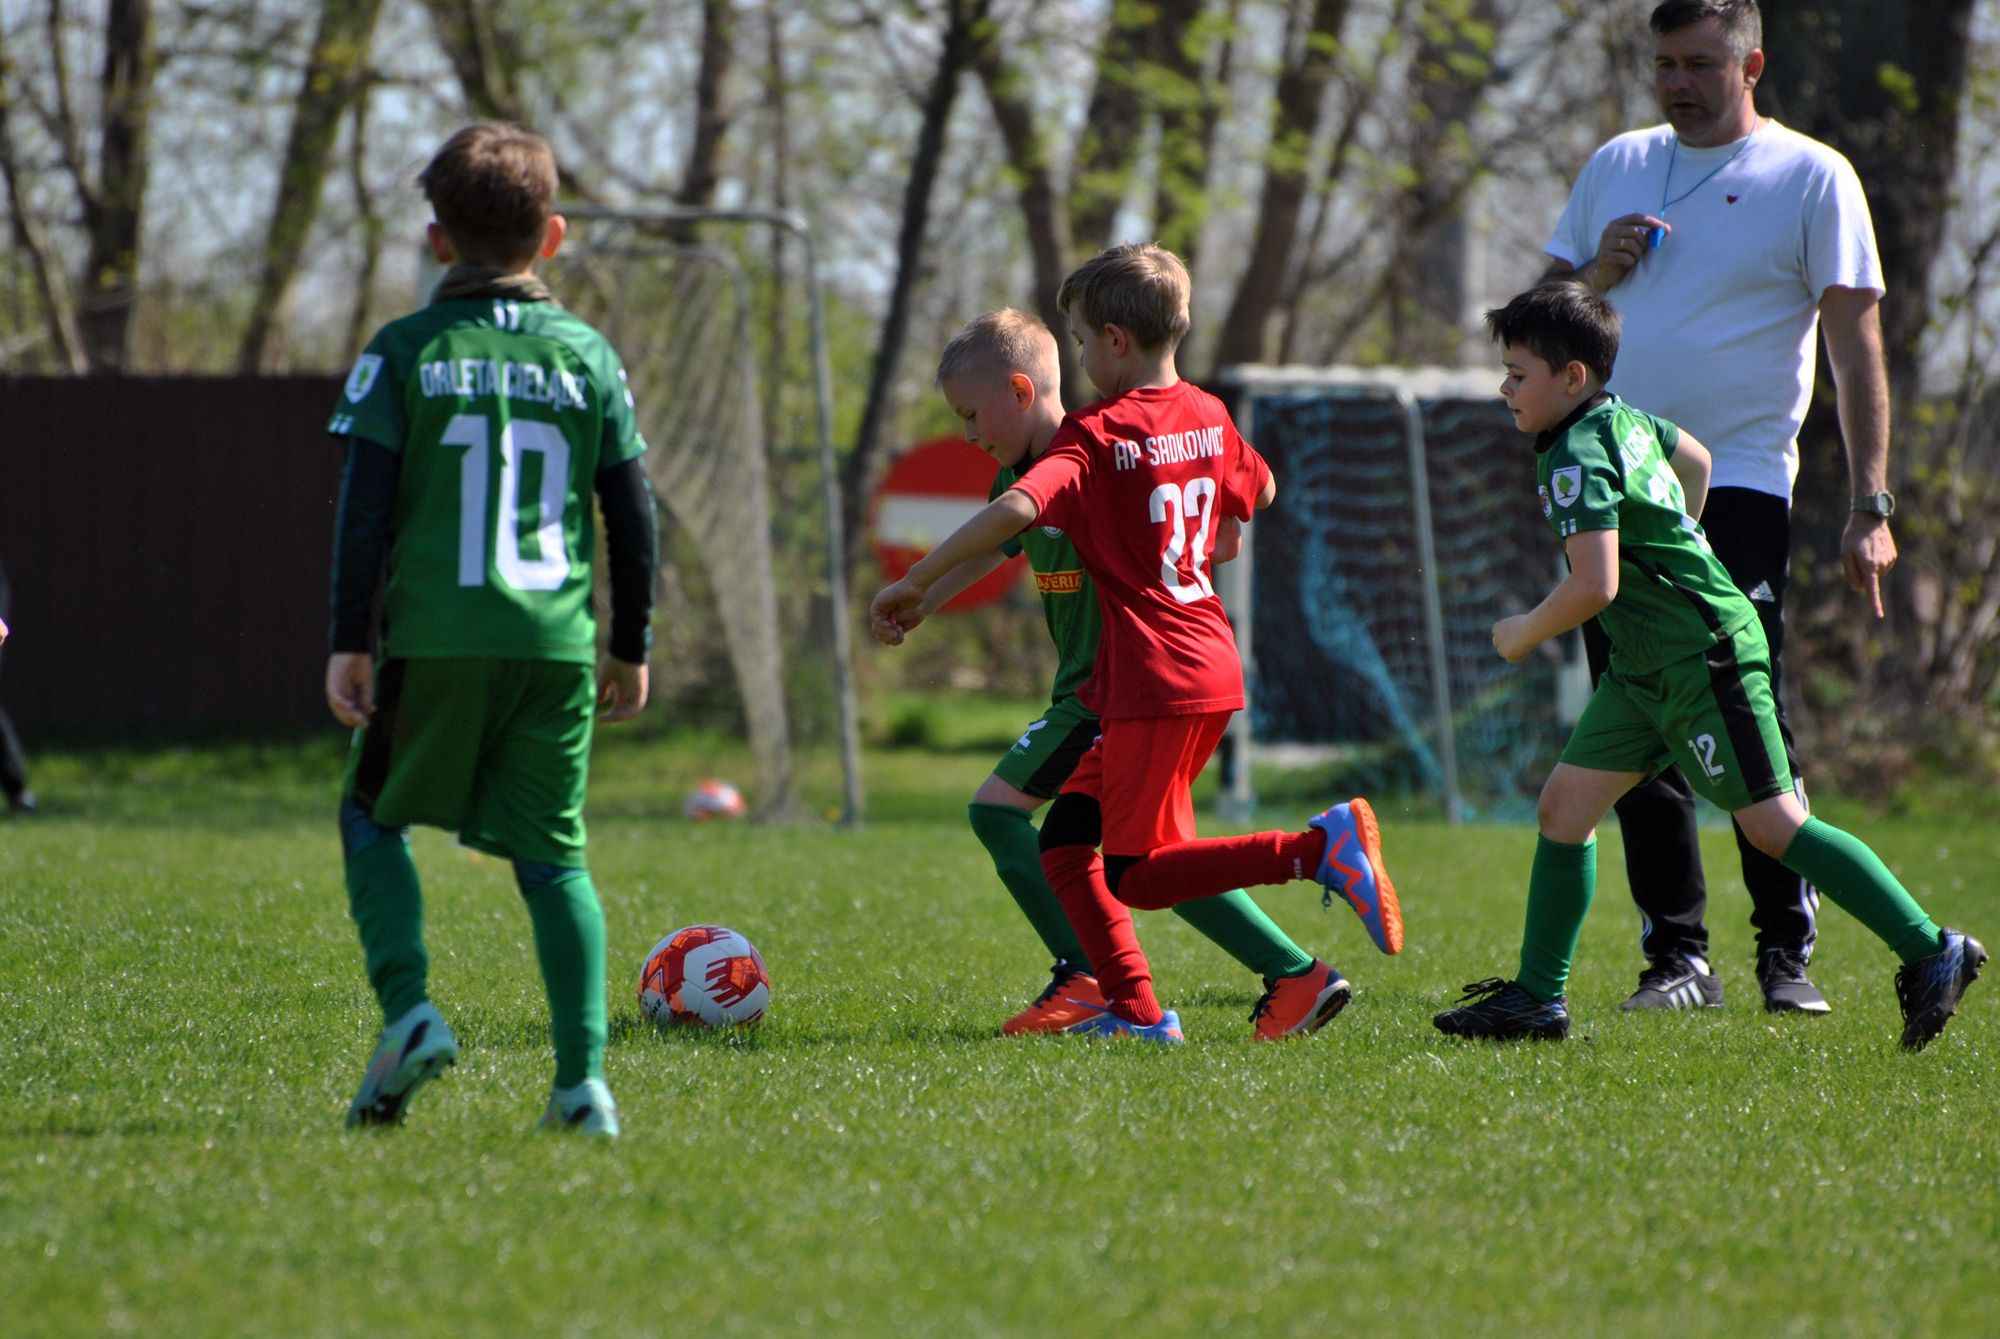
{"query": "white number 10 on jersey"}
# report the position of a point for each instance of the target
(518, 438)
(1171, 502)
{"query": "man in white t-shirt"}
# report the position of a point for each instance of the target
(1725, 240)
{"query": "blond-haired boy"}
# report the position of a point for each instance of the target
(1142, 482)
(1000, 377)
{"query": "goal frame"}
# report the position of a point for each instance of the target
(793, 224)
(1244, 385)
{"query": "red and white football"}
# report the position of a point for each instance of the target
(714, 799)
(704, 976)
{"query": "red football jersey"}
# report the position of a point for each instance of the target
(1139, 482)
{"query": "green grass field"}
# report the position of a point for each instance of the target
(183, 1018)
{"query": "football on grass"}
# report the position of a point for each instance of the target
(715, 799)
(704, 976)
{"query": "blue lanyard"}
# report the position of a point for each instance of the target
(1674, 152)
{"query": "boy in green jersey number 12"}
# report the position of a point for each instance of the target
(999, 375)
(1689, 680)
(478, 430)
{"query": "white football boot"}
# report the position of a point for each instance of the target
(411, 1052)
(584, 1109)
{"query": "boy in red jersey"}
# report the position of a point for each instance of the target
(1150, 483)
(1000, 375)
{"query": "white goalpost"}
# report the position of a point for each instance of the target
(1364, 598)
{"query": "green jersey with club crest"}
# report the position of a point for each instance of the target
(503, 412)
(1069, 598)
(1605, 468)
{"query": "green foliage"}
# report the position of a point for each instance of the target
(1900, 86)
(187, 1019)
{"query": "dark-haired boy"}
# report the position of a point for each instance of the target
(478, 430)
(1150, 483)
(1689, 679)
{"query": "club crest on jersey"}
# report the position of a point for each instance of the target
(1542, 492)
(1566, 484)
(362, 379)
(1053, 531)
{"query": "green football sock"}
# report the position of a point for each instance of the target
(387, 904)
(569, 942)
(1009, 836)
(1239, 927)
(1560, 886)
(1840, 865)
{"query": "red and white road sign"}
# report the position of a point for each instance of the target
(931, 490)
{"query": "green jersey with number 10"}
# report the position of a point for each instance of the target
(503, 413)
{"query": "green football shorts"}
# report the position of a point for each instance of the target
(1711, 713)
(1049, 750)
(497, 751)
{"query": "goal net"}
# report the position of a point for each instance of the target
(1403, 528)
(746, 596)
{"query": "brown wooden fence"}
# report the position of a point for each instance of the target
(167, 540)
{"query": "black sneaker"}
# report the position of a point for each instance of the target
(1503, 1010)
(1782, 974)
(1676, 982)
(1929, 988)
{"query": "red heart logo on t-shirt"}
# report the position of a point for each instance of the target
(1730, 198)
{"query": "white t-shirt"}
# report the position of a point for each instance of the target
(1720, 320)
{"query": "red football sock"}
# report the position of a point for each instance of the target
(1104, 927)
(1170, 875)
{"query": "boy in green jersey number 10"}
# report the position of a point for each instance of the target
(478, 430)
(1689, 680)
(999, 375)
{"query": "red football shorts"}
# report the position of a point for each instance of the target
(1139, 772)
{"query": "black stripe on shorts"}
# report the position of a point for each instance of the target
(1062, 760)
(1739, 720)
(376, 738)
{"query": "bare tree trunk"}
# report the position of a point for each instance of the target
(963, 19)
(1301, 94)
(1190, 106)
(1042, 205)
(777, 92)
(336, 71)
(1825, 75)
(1425, 287)
(1885, 85)
(1364, 87)
(485, 68)
(701, 174)
(1111, 127)
(711, 121)
(49, 289)
(114, 211)
(358, 324)
(488, 64)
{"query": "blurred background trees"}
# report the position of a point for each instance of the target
(228, 184)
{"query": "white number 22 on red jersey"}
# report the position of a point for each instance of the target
(1176, 504)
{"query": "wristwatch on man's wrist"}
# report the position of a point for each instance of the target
(1875, 504)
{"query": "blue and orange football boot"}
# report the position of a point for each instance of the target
(1104, 1024)
(1352, 867)
(1071, 997)
(1302, 1004)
